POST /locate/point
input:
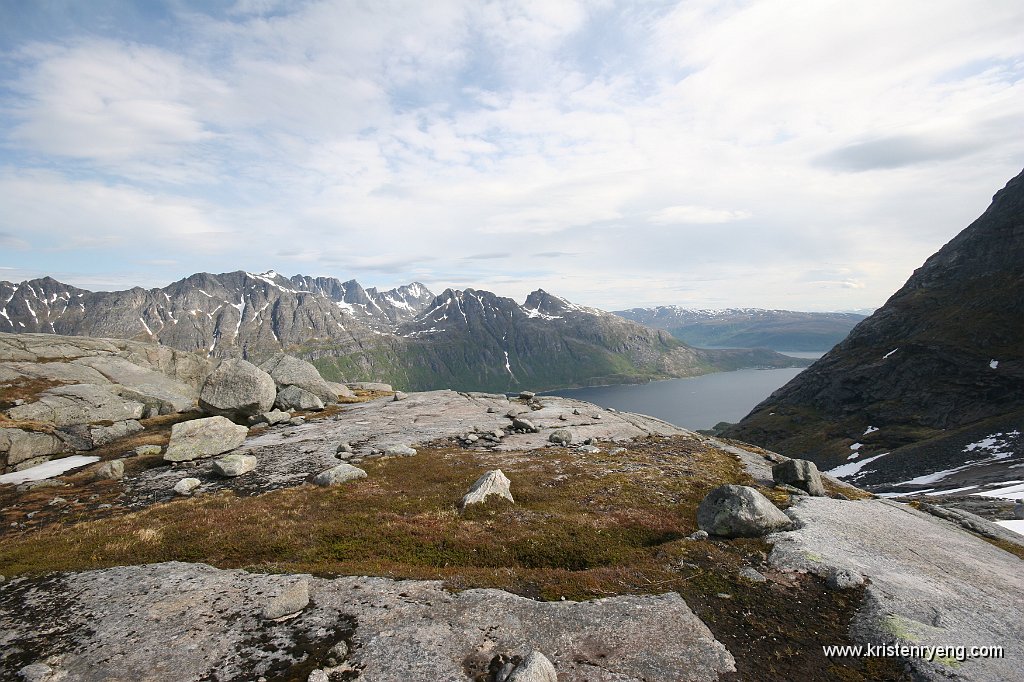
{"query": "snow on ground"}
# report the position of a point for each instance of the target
(852, 469)
(993, 364)
(870, 429)
(1016, 526)
(857, 446)
(998, 446)
(954, 490)
(886, 356)
(1011, 490)
(54, 467)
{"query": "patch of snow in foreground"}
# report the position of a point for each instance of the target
(1008, 492)
(49, 469)
(1017, 526)
(852, 469)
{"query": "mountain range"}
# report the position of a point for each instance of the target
(782, 330)
(467, 339)
(930, 388)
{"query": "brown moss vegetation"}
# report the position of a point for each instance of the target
(583, 526)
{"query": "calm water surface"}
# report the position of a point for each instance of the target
(695, 403)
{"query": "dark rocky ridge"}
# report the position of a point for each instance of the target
(944, 353)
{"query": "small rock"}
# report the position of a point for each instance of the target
(399, 451)
(597, 416)
(792, 490)
(292, 600)
(561, 437)
(234, 465)
(492, 410)
(36, 672)
(343, 447)
(698, 535)
(534, 668)
(491, 483)
(186, 486)
(520, 424)
(338, 652)
(589, 449)
(800, 473)
(275, 417)
(575, 411)
(843, 579)
(527, 395)
(148, 450)
(297, 421)
(563, 417)
(616, 451)
(1018, 510)
(724, 595)
(56, 501)
(111, 471)
(295, 398)
(399, 395)
(753, 575)
(19, 402)
(319, 676)
(339, 474)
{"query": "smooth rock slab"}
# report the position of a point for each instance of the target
(234, 465)
(739, 511)
(336, 475)
(203, 438)
(491, 483)
(191, 622)
(79, 404)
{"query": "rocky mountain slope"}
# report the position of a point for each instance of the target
(930, 382)
(469, 339)
(782, 330)
(596, 563)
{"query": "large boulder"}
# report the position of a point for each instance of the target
(535, 668)
(739, 511)
(237, 388)
(203, 438)
(290, 371)
(18, 446)
(295, 398)
(493, 482)
(801, 474)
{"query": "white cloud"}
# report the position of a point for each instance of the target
(673, 215)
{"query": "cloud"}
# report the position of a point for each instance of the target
(672, 215)
(10, 241)
(488, 256)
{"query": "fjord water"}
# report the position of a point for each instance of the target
(694, 403)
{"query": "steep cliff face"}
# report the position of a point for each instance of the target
(944, 353)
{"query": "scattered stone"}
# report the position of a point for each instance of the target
(597, 416)
(563, 417)
(561, 437)
(36, 672)
(1018, 510)
(698, 535)
(297, 421)
(491, 483)
(527, 395)
(318, 676)
(112, 470)
(736, 511)
(492, 410)
(524, 425)
(399, 451)
(339, 474)
(534, 668)
(752, 575)
(203, 438)
(843, 579)
(616, 451)
(338, 653)
(344, 447)
(576, 411)
(800, 473)
(400, 396)
(186, 486)
(292, 600)
(589, 449)
(234, 465)
(148, 450)
(56, 501)
(340, 390)
(237, 388)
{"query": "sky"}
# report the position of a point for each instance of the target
(799, 154)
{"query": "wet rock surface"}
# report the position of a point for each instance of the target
(191, 622)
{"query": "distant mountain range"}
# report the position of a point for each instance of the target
(930, 388)
(470, 340)
(782, 330)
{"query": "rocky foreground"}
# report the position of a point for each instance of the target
(617, 547)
